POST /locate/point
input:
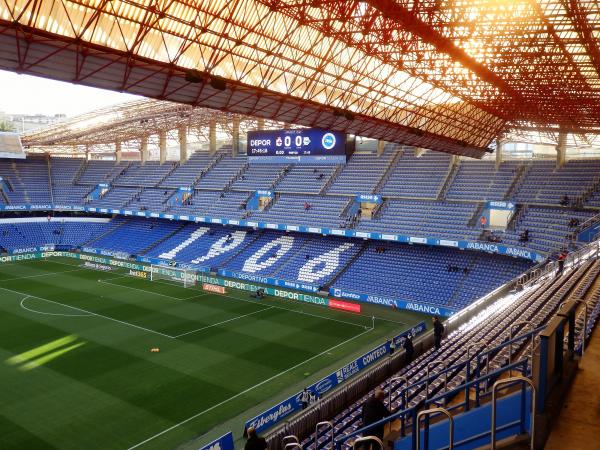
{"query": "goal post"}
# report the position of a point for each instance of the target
(183, 276)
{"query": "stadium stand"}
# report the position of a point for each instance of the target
(135, 235)
(423, 218)
(454, 278)
(31, 234)
(361, 174)
(417, 176)
(292, 209)
(481, 180)
(429, 195)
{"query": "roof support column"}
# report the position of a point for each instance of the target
(235, 147)
(162, 145)
(419, 151)
(499, 152)
(260, 123)
(212, 136)
(380, 147)
(183, 150)
(561, 149)
(144, 149)
(118, 153)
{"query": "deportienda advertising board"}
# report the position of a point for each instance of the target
(309, 145)
(292, 404)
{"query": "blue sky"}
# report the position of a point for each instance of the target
(24, 94)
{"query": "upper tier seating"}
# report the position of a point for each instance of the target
(148, 174)
(544, 183)
(116, 197)
(290, 209)
(29, 180)
(547, 227)
(258, 176)
(96, 171)
(185, 175)
(419, 177)
(480, 181)
(151, 199)
(306, 178)
(65, 170)
(423, 218)
(222, 173)
(361, 174)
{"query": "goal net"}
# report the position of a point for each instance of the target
(185, 277)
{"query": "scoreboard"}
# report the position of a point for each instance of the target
(309, 145)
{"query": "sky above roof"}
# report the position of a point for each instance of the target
(25, 94)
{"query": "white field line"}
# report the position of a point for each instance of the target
(40, 275)
(246, 391)
(50, 314)
(221, 323)
(91, 313)
(151, 292)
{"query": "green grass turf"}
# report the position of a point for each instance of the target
(86, 377)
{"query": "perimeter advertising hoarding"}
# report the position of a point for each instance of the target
(292, 404)
(309, 145)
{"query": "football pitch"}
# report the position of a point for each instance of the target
(77, 370)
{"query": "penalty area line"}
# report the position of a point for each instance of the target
(223, 322)
(239, 394)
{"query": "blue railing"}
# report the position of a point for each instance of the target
(521, 366)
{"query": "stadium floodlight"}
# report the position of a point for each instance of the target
(173, 274)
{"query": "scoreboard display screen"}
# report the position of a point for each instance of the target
(310, 145)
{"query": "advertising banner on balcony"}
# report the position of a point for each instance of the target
(225, 442)
(292, 404)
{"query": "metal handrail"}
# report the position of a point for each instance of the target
(510, 341)
(431, 364)
(475, 344)
(527, 323)
(450, 393)
(403, 379)
(585, 319)
(290, 437)
(292, 445)
(428, 412)
(368, 438)
(331, 429)
(533, 403)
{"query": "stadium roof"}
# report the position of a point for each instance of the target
(446, 75)
(131, 121)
